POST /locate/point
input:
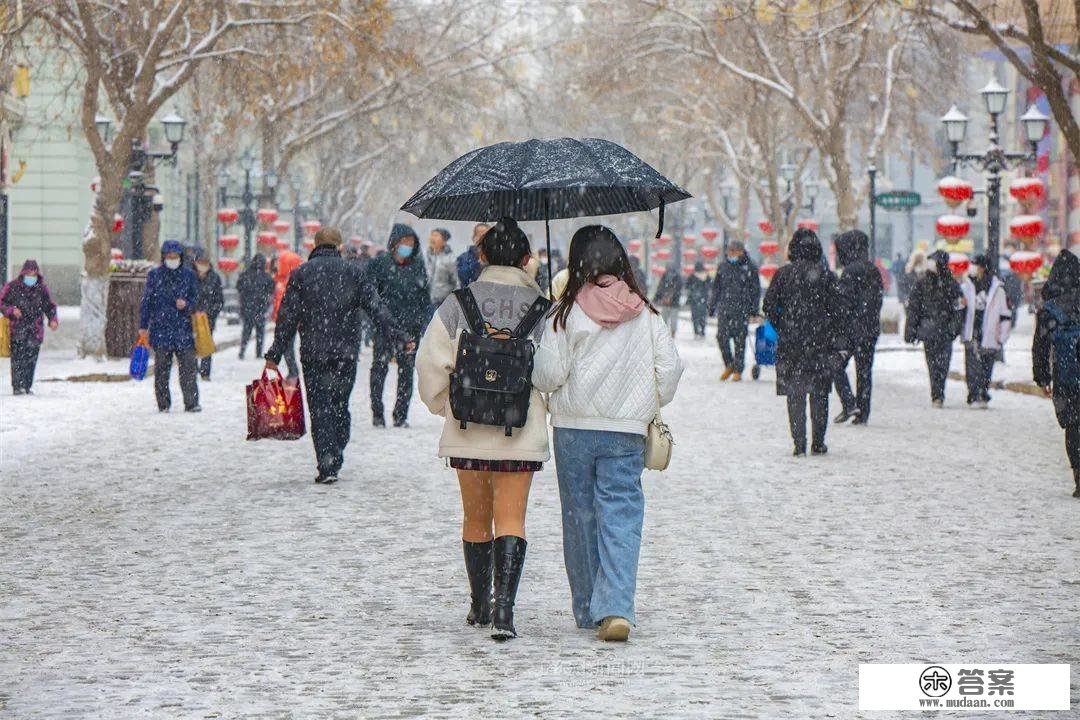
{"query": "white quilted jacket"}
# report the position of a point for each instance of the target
(605, 378)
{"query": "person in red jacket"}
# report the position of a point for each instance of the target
(25, 302)
(284, 265)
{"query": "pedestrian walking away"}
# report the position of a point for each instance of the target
(698, 289)
(322, 302)
(934, 318)
(400, 279)
(27, 304)
(861, 294)
(211, 300)
(441, 267)
(256, 290)
(494, 468)
(165, 322)
(803, 305)
(668, 296)
(736, 295)
(468, 263)
(987, 325)
(603, 328)
(1054, 351)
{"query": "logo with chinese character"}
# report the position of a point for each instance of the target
(935, 681)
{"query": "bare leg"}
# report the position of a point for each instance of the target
(476, 505)
(511, 497)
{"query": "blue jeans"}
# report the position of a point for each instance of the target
(602, 510)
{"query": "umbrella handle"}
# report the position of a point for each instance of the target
(660, 224)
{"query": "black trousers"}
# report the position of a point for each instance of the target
(329, 384)
(204, 363)
(938, 359)
(819, 418)
(188, 364)
(699, 316)
(24, 356)
(978, 369)
(732, 340)
(383, 351)
(864, 369)
(256, 324)
(1072, 445)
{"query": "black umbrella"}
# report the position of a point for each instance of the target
(544, 180)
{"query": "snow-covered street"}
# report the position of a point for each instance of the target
(160, 566)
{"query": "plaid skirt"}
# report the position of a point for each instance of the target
(507, 466)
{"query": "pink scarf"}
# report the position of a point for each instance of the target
(610, 301)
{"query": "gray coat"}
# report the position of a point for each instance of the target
(442, 274)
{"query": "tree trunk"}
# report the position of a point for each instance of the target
(847, 203)
(97, 248)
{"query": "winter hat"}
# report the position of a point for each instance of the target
(171, 246)
(200, 254)
(851, 246)
(30, 266)
(399, 232)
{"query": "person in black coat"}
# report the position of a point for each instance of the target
(803, 305)
(861, 293)
(668, 296)
(698, 291)
(256, 290)
(933, 318)
(400, 277)
(322, 301)
(735, 298)
(211, 300)
(1060, 314)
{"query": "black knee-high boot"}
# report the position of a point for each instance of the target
(478, 563)
(509, 559)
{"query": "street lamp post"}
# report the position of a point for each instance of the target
(994, 160)
(871, 170)
(727, 190)
(248, 197)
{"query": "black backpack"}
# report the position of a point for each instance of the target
(492, 378)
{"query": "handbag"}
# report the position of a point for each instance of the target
(275, 409)
(204, 339)
(140, 359)
(658, 440)
(5, 337)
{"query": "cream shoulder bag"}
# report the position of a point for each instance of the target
(658, 441)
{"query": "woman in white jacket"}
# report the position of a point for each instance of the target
(494, 471)
(605, 357)
(987, 324)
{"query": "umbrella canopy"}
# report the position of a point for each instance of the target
(543, 180)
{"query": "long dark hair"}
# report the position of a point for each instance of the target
(505, 243)
(594, 251)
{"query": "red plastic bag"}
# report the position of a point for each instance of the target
(275, 409)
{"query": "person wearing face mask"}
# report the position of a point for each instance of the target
(987, 324)
(211, 300)
(26, 303)
(401, 280)
(165, 322)
(933, 318)
(736, 294)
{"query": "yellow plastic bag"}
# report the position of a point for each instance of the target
(5, 337)
(204, 341)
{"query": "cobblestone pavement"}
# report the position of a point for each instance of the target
(159, 566)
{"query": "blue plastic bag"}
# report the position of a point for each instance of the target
(140, 360)
(765, 344)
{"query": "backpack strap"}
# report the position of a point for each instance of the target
(467, 301)
(534, 315)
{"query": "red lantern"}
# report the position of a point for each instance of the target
(283, 245)
(689, 255)
(954, 191)
(688, 270)
(228, 265)
(1026, 227)
(766, 227)
(1027, 190)
(227, 216)
(117, 223)
(662, 254)
(767, 270)
(229, 241)
(657, 270)
(634, 246)
(768, 247)
(953, 227)
(812, 225)
(309, 244)
(311, 227)
(116, 254)
(664, 239)
(267, 238)
(265, 216)
(958, 263)
(282, 226)
(689, 239)
(1025, 262)
(709, 253)
(710, 234)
